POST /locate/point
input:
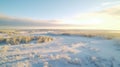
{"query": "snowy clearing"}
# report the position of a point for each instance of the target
(63, 51)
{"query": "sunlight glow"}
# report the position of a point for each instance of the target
(84, 21)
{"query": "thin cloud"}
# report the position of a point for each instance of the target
(111, 12)
(13, 21)
(110, 3)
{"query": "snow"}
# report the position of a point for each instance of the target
(63, 51)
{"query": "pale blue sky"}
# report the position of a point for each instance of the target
(48, 9)
(78, 14)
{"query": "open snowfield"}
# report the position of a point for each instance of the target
(63, 51)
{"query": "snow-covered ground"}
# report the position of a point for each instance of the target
(63, 51)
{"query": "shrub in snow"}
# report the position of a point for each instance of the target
(27, 64)
(17, 50)
(57, 57)
(15, 40)
(21, 64)
(93, 58)
(52, 57)
(45, 64)
(18, 57)
(4, 48)
(26, 45)
(75, 61)
(41, 39)
(2, 38)
(40, 56)
(31, 55)
(5, 59)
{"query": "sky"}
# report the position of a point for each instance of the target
(62, 14)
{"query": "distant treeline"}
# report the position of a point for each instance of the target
(24, 39)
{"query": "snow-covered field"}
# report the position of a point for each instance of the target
(63, 51)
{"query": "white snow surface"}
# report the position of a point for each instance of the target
(63, 51)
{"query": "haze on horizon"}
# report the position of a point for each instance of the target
(60, 14)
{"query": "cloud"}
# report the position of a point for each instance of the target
(7, 22)
(13, 21)
(110, 3)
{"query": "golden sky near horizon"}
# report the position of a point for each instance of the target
(105, 19)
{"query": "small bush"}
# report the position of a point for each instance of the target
(42, 39)
(24, 39)
(4, 49)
